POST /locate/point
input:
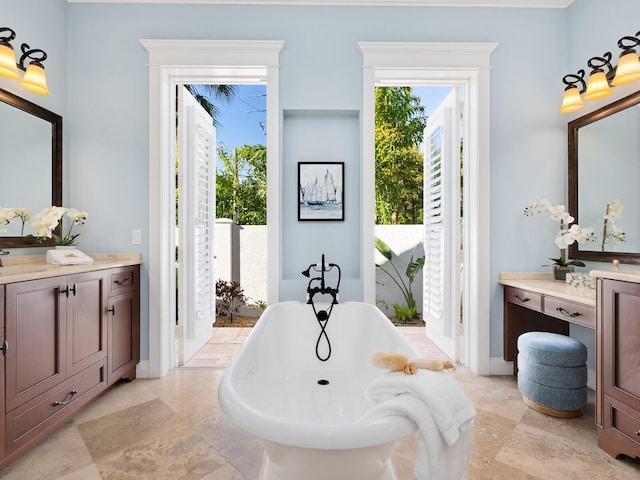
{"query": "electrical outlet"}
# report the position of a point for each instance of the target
(136, 237)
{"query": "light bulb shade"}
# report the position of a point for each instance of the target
(35, 80)
(628, 68)
(571, 100)
(8, 67)
(597, 86)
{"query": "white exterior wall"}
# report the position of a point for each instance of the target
(253, 261)
(248, 255)
(401, 239)
(222, 246)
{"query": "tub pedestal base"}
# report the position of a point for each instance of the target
(284, 462)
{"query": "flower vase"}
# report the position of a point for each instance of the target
(65, 247)
(560, 272)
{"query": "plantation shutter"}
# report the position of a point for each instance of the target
(204, 224)
(441, 275)
(197, 211)
(433, 223)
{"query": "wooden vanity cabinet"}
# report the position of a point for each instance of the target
(618, 358)
(124, 324)
(2, 370)
(60, 336)
(56, 332)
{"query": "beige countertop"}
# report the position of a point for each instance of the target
(542, 282)
(626, 276)
(21, 268)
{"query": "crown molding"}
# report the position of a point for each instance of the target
(363, 3)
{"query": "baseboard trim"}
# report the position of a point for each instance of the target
(591, 379)
(499, 366)
(142, 369)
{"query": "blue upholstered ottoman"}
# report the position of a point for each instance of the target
(552, 373)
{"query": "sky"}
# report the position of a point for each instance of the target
(431, 97)
(244, 119)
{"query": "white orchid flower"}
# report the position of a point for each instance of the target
(567, 232)
(6, 215)
(48, 219)
(77, 216)
(562, 243)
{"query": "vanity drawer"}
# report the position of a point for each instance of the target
(123, 280)
(570, 311)
(33, 419)
(523, 298)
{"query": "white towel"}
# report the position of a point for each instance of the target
(68, 257)
(440, 409)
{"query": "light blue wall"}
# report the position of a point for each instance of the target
(106, 118)
(320, 69)
(40, 24)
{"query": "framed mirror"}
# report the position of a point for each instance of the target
(604, 174)
(30, 166)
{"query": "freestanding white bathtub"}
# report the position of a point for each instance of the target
(305, 409)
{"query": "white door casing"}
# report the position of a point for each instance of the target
(174, 62)
(439, 63)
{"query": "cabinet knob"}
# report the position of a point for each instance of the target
(518, 297)
(122, 282)
(68, 290)
(638, 433)
(112, 310)
(5, 348)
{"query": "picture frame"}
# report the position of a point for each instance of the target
(320, 191)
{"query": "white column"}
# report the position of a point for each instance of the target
(224, 249)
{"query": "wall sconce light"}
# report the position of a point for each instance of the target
(600, 82)
(34, 78)
(572, 100)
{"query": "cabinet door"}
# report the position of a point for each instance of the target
(124, 336)
(621, 341)
(1, 306)
(35, 330)
(2, 429)
(86, 321)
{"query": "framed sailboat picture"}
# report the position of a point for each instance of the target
(321, 191)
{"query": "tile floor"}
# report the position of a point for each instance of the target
(220, 349)
(172, 428)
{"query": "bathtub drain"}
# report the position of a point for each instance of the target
(323, 382)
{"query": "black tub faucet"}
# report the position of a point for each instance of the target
(322, 289)
(322, 316)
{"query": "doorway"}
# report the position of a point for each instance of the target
(173, 62)
(465, 64)
(221, 226)
(419, 163)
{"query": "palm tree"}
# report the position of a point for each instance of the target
(224, 93)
